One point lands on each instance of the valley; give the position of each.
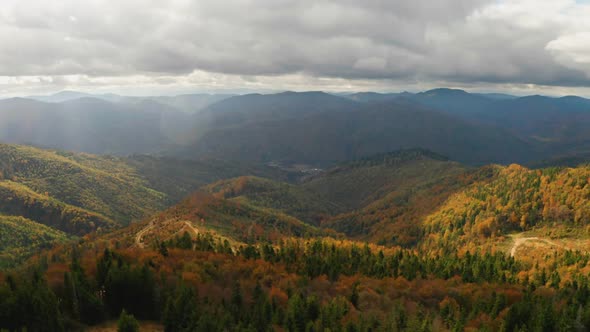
(338, 222)
(295, 166)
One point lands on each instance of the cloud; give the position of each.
(572, 51)
(457, 42)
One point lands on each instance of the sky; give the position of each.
(143, 47)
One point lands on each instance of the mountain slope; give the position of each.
(19, 200)
(382, 198)
(22, 237)
(515, 199)
(554, 125)
(79, 193)
(100, 184)
(551, 120)
(256, 108)
(387, 196)
(291, 199)
(454, 102)
(179, 178)
(330, 137)
(89, 125)
(202, 213)
(355, 184)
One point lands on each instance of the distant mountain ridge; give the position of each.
(189, 103)
(88, 125)
(354, 130)
(305, 127)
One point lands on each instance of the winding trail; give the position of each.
(195, 230)
(520, 241)
(141, 233)
(139, 236)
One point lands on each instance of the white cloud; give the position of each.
(281, 43)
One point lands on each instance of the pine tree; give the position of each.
(127, 323)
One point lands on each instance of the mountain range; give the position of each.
(313, 128)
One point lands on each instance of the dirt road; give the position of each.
(141, 233)
(521, 240)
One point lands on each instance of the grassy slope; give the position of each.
(22, 237)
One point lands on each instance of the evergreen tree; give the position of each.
(127, 323)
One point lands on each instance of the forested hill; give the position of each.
(331, 136)
(105, 187)
(241, 253)
(416, 197)
(80, 193)
(21, 237)
(514, 199)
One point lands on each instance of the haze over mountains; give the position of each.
(314, 128)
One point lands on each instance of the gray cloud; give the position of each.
(457, 41)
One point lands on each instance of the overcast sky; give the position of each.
(180, 46)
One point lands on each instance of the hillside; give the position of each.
(101, 184)
(397, 198)
(202, 213)
(238, 110)
(203, 281)
(19, 200)
(444, 207)
(329, 137)
(236, 255)
(343, 188)
(554, 126)
(295, 200)
(80, 193)
(516, 199)
(455, 102)
(381, 199)
(352, 185)
(418, 198)
(179, 178)
(22, 237)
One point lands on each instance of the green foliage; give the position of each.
(358, 183)
(243, 222)
(514, 199)
(17, 199)
(293, 200)
(179, 178)
(127, 323)
(104, 185)
(29, 305)
(22, 237)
